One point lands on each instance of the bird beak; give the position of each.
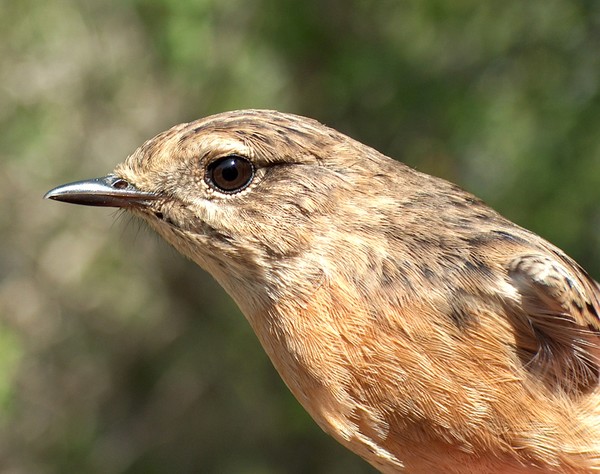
(108, 191)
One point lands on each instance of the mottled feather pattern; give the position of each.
(416, 325)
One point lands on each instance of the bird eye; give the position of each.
(230, 174)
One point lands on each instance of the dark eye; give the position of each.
(230, 174)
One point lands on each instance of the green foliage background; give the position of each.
(116, 354)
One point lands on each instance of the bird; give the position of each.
(417, 326)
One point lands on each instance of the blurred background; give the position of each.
(116, 354)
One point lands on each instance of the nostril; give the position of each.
(120, 184)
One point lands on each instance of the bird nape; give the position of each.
(417, 326)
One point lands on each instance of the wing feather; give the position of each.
(559, 334)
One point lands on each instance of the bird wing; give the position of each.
(558, 330)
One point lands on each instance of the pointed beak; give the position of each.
(108, 191)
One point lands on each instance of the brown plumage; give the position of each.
(417, 326)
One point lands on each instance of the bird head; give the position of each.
(257, 198)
